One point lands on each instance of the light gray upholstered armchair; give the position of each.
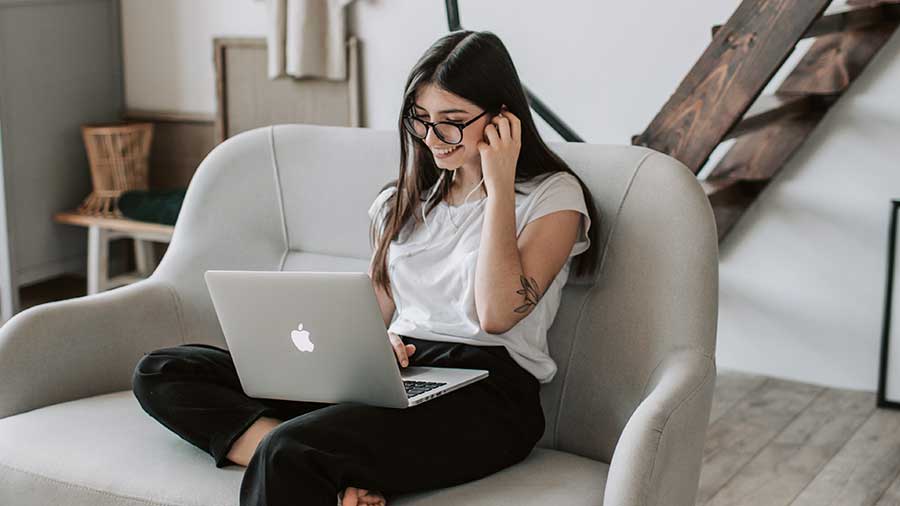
(626, 413)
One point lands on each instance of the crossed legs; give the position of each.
(316, 451)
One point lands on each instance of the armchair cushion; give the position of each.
(105, 451)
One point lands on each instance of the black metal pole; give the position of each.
(452, 15)
(537, 104)
(551, 118)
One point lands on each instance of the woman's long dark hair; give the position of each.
(477, 67)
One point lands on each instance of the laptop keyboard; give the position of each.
(414, 388)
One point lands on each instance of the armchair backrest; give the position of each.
(294, 196)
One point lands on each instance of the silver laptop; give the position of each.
(319, 336)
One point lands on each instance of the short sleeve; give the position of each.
(560, 192)
(377, 207)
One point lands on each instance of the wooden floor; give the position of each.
(775, 442)
(66, 286)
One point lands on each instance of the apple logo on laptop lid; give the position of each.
(301, 340)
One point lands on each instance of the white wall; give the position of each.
(802, 274)
(168, 49)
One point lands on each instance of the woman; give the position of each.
(477, 286)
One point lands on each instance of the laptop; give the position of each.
(319, 336)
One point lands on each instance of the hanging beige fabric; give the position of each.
(307, 38)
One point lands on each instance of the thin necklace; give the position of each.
(450, 212)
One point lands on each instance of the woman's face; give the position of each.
(435, 104)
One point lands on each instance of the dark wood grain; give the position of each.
(719, 99)
(851, 16)
(746, 169)
(825, 72)
(835, 60)
(725, 81)
(770, 108)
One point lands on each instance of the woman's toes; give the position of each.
(351, 497)
(372, 498)
(354, 496)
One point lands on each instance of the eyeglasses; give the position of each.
(447, 131)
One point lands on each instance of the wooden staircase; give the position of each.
(720, 98)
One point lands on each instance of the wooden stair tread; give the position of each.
(835, 60)
(723, 191)
(717, 186)
(854, 17)
(849, 16)
(728, 77)
(720, 97)
(770, 108)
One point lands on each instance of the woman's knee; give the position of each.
(147, 373)
(161, 365)
(152, 363)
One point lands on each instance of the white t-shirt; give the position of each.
(433, 273)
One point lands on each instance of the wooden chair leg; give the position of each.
(98, 259)
(145, 264)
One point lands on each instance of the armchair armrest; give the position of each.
(658, 456)
(75, 348)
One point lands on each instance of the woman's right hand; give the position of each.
(400, 350)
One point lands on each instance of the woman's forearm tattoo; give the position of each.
(529, 290)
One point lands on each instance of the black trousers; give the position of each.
(321, 448)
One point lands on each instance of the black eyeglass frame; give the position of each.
(428, 124)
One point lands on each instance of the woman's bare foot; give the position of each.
(361, 497)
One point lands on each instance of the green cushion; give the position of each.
(156, 206)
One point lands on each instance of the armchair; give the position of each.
(635, 345)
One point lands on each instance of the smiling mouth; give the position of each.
(443, 152)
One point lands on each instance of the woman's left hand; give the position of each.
(500, 154)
